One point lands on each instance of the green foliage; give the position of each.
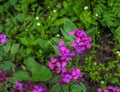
(98, 72)
(66, 88)
(78, 88)
(7, 65)
(39, 72)
(34, 28)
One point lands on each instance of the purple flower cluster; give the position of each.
(82, 41)
(28, 87)
(67, 76)
(3, 38)
(58, 64)
(109, 89)
(64, 52)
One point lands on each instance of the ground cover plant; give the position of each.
(59, 46)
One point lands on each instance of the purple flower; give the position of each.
(53, 60)
(52, 63)
(78, 33)
(76, 73)
(38, 89)
(19, 86)
(113, 89)
(23, 87)
(51, 66)
(100, 90)
(82, 41)
(109, 88)
(61, 67)
(3, 38)
(67, 78)
(65, 52)
(60, 81)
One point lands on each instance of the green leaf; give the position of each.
(78, 88)
(14, 48)
(56, 88)
(1, 28)
(39, 72)
(69, 26)
(42, 43)
(24, 41)
(7, 65)
(22, 75)
(13, 2)
(20, 17)
(7, 47)
(67, 36)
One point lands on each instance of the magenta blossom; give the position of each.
(109, 89)
(65, 52)
(52, 63)
(82, 41)
(76, 73)
(67, 78)
(19, 85)
(23, 87)
(61, 67)
(100, 90)
(78, 33)
(3, 38)
(38, 89)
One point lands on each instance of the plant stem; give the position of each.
(77, 60)
(61, 88)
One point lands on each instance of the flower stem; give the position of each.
(61, 87)
(77, 60)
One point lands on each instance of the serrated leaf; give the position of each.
(39, 72)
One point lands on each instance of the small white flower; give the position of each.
(54, 11)
(119, 55)
(96, 15)
(86, 7)
(37, 18)
(102, 82)
(58, 35)
(38, 24)
(118, 52)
